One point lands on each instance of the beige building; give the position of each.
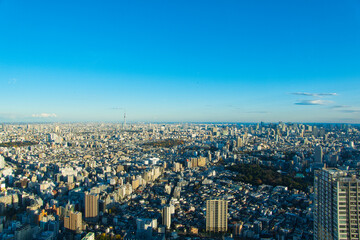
(91, 205)
(201, 161)
(135, 183)
(166, 216)
(336, 208)
(216, 215)
(197, 162)
(73, 221)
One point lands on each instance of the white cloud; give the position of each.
(313, 102)
(44, 115)
(340, 106)
(314, 94)
(345, 109)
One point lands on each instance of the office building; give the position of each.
(216, 215)
(336, 208)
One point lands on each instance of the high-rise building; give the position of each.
(73, 221)
(166, 216)
(2, 162)
(216, 215)
(336, 209)
(318, 154)
(239, 142)
(91, 206)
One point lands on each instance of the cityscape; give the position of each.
(179, 181)
(140, 120)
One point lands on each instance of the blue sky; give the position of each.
(236, 61)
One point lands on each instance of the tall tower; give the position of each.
(166, 216)
(216, 215)
(124, 120)
(91, 206)
(318, 154)
(336, 209)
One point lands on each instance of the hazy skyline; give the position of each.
(226, 61)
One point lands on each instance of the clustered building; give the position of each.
(165, 181)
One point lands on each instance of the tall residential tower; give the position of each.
(336, 209)
(166, 216)
(216, 215)
(91, 206)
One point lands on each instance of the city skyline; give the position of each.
(180, 61)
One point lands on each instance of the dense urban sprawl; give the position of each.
(153, 181)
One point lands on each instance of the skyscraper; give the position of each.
(318, 154)
(166, 216)
(91, 206)
(216, 215)
(336, 209)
